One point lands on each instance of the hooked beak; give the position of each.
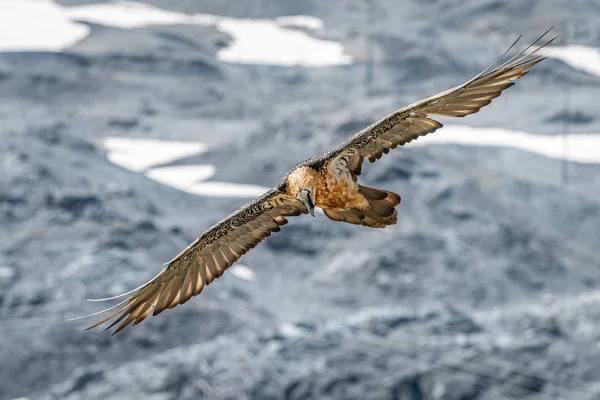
(304, 198)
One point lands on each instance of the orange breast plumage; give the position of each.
(337, 190)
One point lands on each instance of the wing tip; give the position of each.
(520, 57)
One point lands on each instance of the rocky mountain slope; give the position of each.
(486, 288)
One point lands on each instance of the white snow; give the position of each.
(7, 273)
(242, 272)
(584, 148)
(584, 58)
(226, 189)
(37, 26)
(265, 42)
(193, 179)
(182, 177)
(290, 330)
(126, 15)
(141, 154)
(42, 25)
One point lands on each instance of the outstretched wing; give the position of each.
(408, 123)
(207, 257)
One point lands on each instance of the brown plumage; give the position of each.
(328, 181)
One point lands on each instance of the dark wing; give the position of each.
(207, 258)
(408, 123)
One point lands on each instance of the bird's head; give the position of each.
(306, 196)
(301, 185)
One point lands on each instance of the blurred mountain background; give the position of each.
(487, 288)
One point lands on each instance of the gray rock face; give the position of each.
(486, 288)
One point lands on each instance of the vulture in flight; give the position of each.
(328, 181)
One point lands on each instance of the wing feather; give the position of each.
(411, 122)
(207, 258)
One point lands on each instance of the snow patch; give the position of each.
(193, 179)
(42, 25)
(37, 26)
(265, 42)
(140, 154)
(582, 148)
(584, 58)
(182, 177)
(242, 272)
(290, 330)
(226, 189)
(7, 273)
(126, 15)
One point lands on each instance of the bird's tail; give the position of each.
(383, 205)
(381, 213)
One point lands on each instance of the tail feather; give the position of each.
(381, 213)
